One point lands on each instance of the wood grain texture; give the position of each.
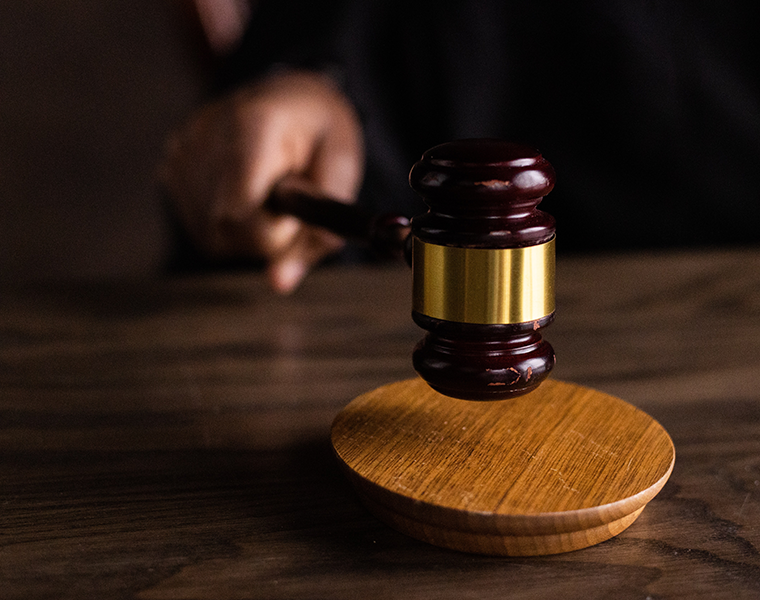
(170, 439)
(559, 469)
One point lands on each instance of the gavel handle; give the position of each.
(387, 235)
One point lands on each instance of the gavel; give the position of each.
(482, 261)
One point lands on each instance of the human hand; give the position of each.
(220, 168)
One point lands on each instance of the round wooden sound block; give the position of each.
(559, 469)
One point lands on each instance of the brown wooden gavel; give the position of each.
(482, 261)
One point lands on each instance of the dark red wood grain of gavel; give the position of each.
(386, 235)
(480, 194)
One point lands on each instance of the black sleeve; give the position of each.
(285, 32)
(650, 112)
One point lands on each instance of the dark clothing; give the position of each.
(649, 111)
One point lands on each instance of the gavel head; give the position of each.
(483, 269)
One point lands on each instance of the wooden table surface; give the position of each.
(170, 439)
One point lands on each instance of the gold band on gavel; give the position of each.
(483, 285)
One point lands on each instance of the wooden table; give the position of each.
(169, 439)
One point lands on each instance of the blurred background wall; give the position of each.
(88, 91)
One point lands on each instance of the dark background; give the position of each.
(88, 91)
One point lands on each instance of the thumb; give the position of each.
(288, 269)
